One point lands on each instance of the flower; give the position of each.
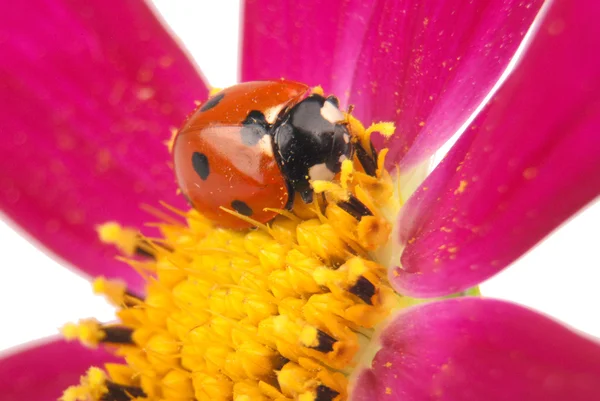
(466, 221)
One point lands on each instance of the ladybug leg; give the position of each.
(291, 196)
(368, 161)
(307, 195)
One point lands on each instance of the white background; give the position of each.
(38, 295)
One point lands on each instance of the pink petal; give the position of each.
(42, 372)
(314, 42)
(428, 64)
(474, 349)
(526, 164)
(90, 90)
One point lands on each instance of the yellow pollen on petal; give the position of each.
(281, 312)
(461, 187)
(530, 173)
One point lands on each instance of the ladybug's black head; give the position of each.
(311, 141)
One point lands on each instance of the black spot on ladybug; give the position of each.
(254, 128)
(241, 208)
(200, 163)
(212, 102)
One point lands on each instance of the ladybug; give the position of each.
(255, 145)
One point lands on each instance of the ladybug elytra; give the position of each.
(255, 145)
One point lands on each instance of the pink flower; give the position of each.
(90, 89)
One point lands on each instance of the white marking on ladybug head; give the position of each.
(265, 144)
(331, 113)
(320, 172)
(342, 158)
(346, 138)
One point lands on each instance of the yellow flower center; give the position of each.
(281, 312)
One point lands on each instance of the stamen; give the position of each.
(368, 162)
(363, 289)
(144, 249)
(91, 333)
(117, 335)
(317, 339)
(324, 393)
(384, 128)
(246, 219)
(355, 208)
(94, 386)
(116, 292)
(274, 313)
(374, 154)
(127, 240)
(119, 392)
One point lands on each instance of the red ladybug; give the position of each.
(254, 145)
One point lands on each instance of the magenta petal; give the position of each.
(43, 372)
(473, 349)
(527, 163)
(315, 42)
(427, 65)
(89, 93)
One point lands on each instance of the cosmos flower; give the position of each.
(91, 90)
